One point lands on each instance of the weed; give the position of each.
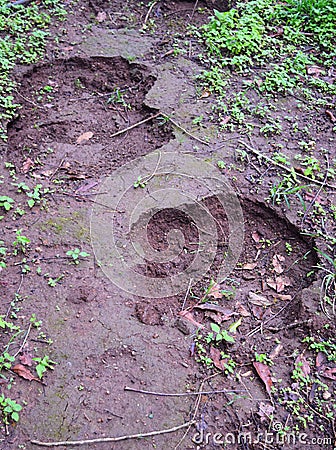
(21, 243)
(9, 409)
(43, 364)
(218, 335)
(76, 254)
(6, 202)
(52, 282)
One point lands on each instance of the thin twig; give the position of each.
(148, 13)
(112, 439)
(179, 394)
(185, 131)
(27, 100)
(196, 409)
(124, 130)
(187, 293)
(194, 9)
(287, 169)
(80, 197)
(24, 341)
(147, 179)
(260, 327)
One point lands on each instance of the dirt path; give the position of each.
(108, 329)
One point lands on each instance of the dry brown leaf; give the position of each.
(24, 372)
(242, 310)
(284, 297)
(276, 351)
(303, 364)
(227, 313)
(256, 236)
(214, 291)
(249, 266)
(215, 355)
(276, 261)
(205, 93)
(26, 359)
(101, 16)
(188, 316)
(331, 116)
(27, 165)
(265, 374)
(327, 372)
(258, 312)
(259, 300)
(314, 70)
(225, 120)
(84, 137)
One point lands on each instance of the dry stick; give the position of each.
(24, 341)
(134, 125)
(112, 439)
(148, 13)
(187, 293)
(184, 130)
(287, 169)
(259, 328)
(198, 401)
(194, 9)
(149, 177)
(179, 394)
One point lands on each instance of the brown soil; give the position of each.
(104, 338)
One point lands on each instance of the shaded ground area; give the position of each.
(102, 77)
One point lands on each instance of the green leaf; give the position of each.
(15, 416)
(215, 328)
(17, 407)
(31, 203)
(227, 337)
(233, 327)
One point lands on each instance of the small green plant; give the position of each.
(9, 410)
(117, 97)
(76, 254)
(140, 182)
(218, 335)
(6, 202)
(21, 243)
(52, 282)
(263, 358)
(289, 248)
(43, 364)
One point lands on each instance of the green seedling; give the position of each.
(218, 335)
(263, 358)
(52, 282)
(6, 202)
(44, 364)
(140, 182)
(21, 243)
(76, 254)
(9, 409)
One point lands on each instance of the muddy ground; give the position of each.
(105, 338)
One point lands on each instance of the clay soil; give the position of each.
(104, 338)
